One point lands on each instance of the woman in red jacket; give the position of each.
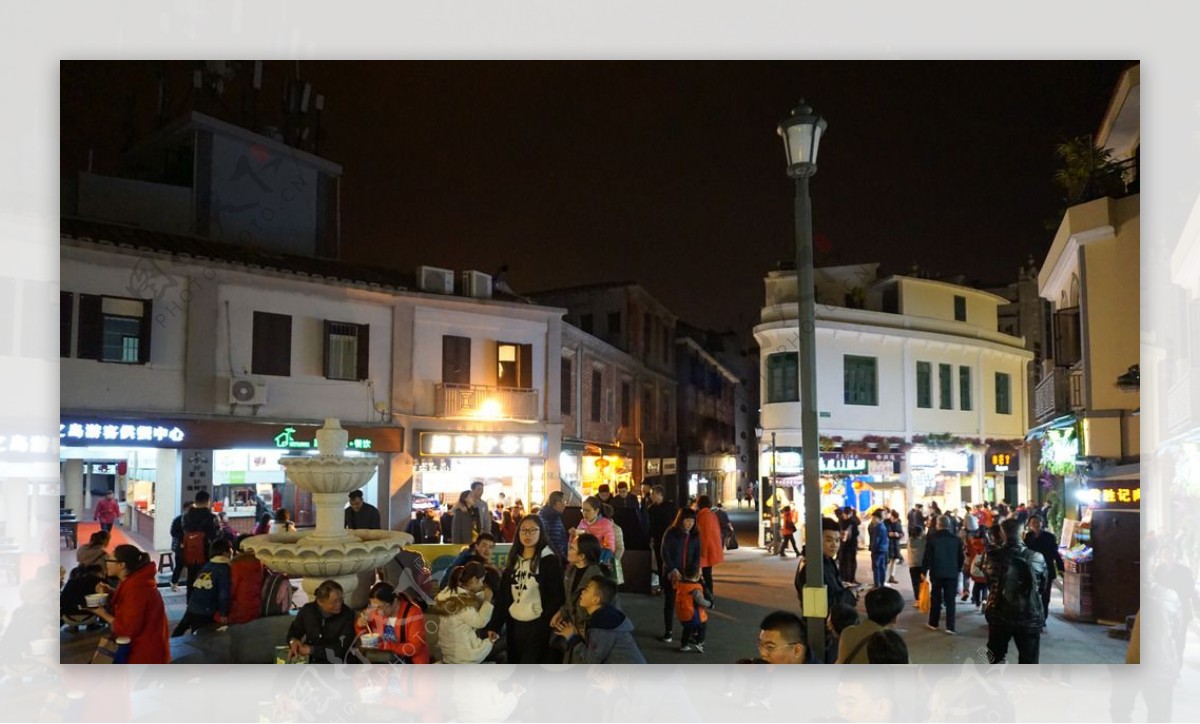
(398, 621)
(712, 551)
(137, 607)
(246, 578)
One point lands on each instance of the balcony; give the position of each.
(486, 403)
(1058, 393)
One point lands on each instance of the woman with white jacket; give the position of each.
(461, 608)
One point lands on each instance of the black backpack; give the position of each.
(1021, 597)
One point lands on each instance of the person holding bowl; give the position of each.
(136, 609)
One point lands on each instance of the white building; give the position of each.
(917, 392)
(191, 365)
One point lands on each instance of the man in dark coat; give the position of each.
(878, 534)
(361, 515)
(323, 630)
(847, 556)
(835, 591)
(1044, 542)
(1016, 576)
(200, 518)
(660, 515)
(944, 558)
(916, 520)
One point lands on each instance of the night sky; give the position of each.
(668, 174)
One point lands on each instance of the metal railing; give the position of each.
(483, 402)
(1051, 396)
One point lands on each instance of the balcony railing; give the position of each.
(1059, 392)
(486, 403)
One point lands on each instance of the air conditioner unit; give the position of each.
(247, 392)
(433, 279)
(477, 284)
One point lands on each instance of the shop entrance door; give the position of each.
(1010, 490)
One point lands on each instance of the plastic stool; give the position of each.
(166, 560)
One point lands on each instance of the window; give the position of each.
(783, 377)
(964, 388)
(1003, 398)
(112, 329)
(1068, 348)
(647, 410)
(626, 394)
(456, 360)
(66, 304)
(567, 387)
(646, 332)
(272, 349)
(597, 394)
(945, 387)
(924, 385)
(347, 351)
(585, 323)
(614, 324)
(861, 384)
(960, 308)
(514, 365)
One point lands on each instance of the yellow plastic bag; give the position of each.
(923, 600)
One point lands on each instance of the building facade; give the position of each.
(707, 423)
(917, 390)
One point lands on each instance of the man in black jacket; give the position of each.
(660, 515)
(200, 519)
(835, 591)
(944, 560)
(177, 546)
(916, 520)
(323, 629)
(1016, 576)
(847, 555)
(878, 543)
(1044, 542)
(361, 515)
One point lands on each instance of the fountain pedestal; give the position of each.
(330, 552)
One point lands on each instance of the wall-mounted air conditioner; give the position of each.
(477, 284)
(435, 280)
(247, 392)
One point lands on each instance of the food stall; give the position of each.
(1104, 549)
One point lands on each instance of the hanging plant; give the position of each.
(1057, 467)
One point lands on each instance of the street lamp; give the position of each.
(801, 132)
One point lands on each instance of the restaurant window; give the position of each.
(456, 360)
(515, 365)
(861, 385)
(597, 394)
(114, 329)
(964, 388)
(960, 308)
(567, 386)
(945, 387)
(272, 347)
(783, 377)
(347, 351)
(1003, 392)
(924, 385)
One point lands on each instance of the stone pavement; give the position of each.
(751, 584)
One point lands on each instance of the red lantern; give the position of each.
(827, 488)
(122, 467)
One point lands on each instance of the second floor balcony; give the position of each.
(486, 403)
(1059, 392)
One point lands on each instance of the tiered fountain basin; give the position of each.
(329, 551)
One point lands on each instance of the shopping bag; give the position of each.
(924, 600)
(731, 543)
(106, 651)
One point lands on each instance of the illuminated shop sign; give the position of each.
(843, 464)
(1002, 462)
(32, 444)
(471, 444)
(113, 432)
(945, 460)
(287, 439)
(1112, 497)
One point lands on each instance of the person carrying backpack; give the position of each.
(200, 530)
(1016, 576)
(177, 546)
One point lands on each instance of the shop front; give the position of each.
(585, 466)
(1001, 468)
(156, 464)
(863, 481)
(511, 466)
(1103, 556)
(946, 476)
(712, 475)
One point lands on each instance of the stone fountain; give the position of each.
(330, 551)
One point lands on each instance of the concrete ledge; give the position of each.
(253, 642)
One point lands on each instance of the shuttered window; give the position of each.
(347, 351)
(456, 360)
(272, 351)
(924, 385)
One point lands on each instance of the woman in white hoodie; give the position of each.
(531, 593)
(461, 608)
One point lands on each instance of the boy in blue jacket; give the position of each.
(609, 635)
(211, 591)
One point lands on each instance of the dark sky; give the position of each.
(666, 173)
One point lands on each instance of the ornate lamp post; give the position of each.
(801, 132)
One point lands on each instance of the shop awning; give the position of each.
(587, 447)
(1040, 430)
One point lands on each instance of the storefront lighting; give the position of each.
(491, 410)
(1088, 496)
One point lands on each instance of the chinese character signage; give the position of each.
(1115, 494)
(482, 444)
(216, 435)
(1001, 462)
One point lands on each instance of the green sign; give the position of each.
(237, 477)
(287, 439)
